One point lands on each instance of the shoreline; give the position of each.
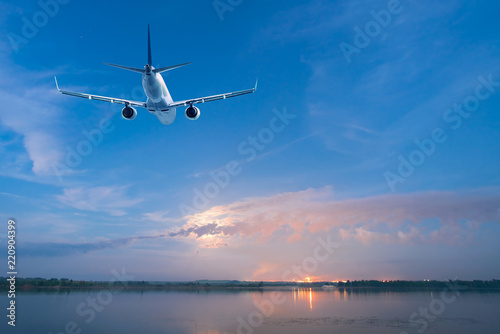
(181, 288)
(40, 284)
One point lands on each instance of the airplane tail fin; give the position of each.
(150, 62)
(134, 69)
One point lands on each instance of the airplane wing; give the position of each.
(213, 97)
(102, 98)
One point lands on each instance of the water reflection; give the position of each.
(304, 295)
(310, 299)
(314, 297)
(302, 310)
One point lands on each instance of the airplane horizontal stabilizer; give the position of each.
(133, 69)
(168, 68)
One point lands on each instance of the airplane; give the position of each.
(159, 102)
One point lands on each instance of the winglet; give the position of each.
(256, 83)
(57, 86)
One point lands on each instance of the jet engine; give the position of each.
(129, 113)
(192, 113)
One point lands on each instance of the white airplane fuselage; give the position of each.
(159, 99)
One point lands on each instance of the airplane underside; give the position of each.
(165, 114)
(166, 117)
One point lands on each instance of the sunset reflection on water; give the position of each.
(298, 310)
(304, 295)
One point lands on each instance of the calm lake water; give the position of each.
(290, 311)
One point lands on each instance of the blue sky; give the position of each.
(334, 134)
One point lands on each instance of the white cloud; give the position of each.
(31, 113)
(384, 218)
(159, 216)
(111, 199)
